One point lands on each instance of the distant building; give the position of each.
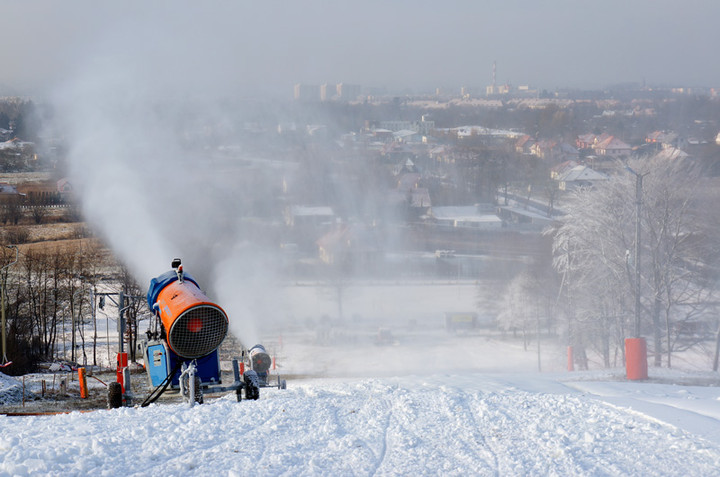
(666, 139)
(423, 126)
(562, 168)
(396, 125)
(548, 149)
(348, 92)
(456, 321)
(604, 145)
(307, 92)
(327, 92)
(353, 246)
(479, 216)
(300, 215)
(493, 90)
(671, 153)
(65, 189)
(524, 145)
(8, 193)
(42, 192)
(612, 147)
(579, 176)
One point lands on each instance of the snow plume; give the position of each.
(127, 112)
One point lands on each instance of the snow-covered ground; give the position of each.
(443, 424)
(492, 416)
(428, 402)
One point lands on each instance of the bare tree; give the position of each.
(12, 212)
(132, 314)
(38, 209)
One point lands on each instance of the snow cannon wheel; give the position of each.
(198, 391)
(197, 388)
(114, 398)
(283, 384)
(252, 385)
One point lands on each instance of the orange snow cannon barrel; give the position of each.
(194, 326)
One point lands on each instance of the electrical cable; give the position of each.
(166, 382)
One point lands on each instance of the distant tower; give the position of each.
(494, 85)
(492, 89)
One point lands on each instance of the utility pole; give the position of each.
(638, 203)
(636, 348)
(120, 303)
(638, 211)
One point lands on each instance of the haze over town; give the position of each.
(243, 49)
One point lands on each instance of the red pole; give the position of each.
(273, 363)
(122, 362)
(570, 359)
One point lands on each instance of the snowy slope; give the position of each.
(443, 424)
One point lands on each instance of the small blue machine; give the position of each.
(160, 361)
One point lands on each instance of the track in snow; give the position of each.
(474, 424)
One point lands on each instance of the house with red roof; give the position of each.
(612, 147)
(589, 141)
(524, 144)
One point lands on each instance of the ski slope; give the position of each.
(441, 424)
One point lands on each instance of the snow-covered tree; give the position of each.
(594, 251)
(529, 303)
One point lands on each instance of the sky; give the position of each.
(240, 48)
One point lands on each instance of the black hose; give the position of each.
(166, 382)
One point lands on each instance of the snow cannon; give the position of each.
(194, 326)
(260, 362)
(259, 359)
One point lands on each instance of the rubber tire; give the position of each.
(114, 398)
(252, 392)
(198, 391)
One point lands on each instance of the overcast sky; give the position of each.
(264, 47)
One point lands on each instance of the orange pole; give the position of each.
(83, 383)
(570, 359)
(636, 365)
(273, 363)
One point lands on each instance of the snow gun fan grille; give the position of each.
(198, 331)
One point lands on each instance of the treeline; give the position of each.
(48, 306)
(14, 212)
